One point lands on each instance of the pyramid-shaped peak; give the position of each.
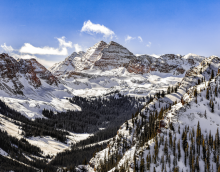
(113, 43)
(94, 51)
(100, 43)
(75, 54)
(116, 45)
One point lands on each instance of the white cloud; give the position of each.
(7, 49)
(63, 43)
(128, 38)
(44, 62)
(62, 50)
(77, 47)
(28, 48)
(149, 44)
(139, 37)
(90, 28)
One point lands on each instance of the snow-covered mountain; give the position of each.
(178, 132)
(28, 87)
(103, 56)
(168, 63)
(66, 65)
(109, 67)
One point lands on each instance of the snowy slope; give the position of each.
(28, 87)
(130, 150)
(108, 67)
(49, 145)
(66, 65)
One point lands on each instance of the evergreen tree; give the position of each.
(179, 151)
(142, 165)
(205, 114)
(168, 90)
(212, 107)
(216, 91)
(207, 93)
(212, 74)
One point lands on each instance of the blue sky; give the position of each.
(51, 30)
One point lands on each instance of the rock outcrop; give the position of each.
(68, 64)
(16, 74)
(113, 56)
(168, 63)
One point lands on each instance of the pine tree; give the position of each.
(204, 150)
(161, 113)
(172, 90)
(216, 91)
(126, 125)
(133, 119)
(197, 164)
(142, 165)
(179, 151)
(174, 146)
(166, 148)
(212, 107)
(195, 92)
(135, 164)
(212, 74)
(207, 93)
(205, 114)
(163, 93)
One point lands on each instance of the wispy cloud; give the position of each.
(63, 43)
(44, 62)
(77, 47)
(62, 50)
(149, 44)
(128, 38)
(139, 37)
(91, 28)
(7, 49)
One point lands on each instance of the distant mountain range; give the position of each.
(171, 94)
(103, 68)
(103, 56)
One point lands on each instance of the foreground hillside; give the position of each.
(178, 132)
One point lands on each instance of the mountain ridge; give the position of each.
(177, 139)
(103, 56)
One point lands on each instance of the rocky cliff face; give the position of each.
(103, 56)
(16, 74)
(69, 64)
(113, 56)
(168, 63)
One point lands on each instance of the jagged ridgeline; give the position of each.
(183, 136)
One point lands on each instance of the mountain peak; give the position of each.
(94, 51)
